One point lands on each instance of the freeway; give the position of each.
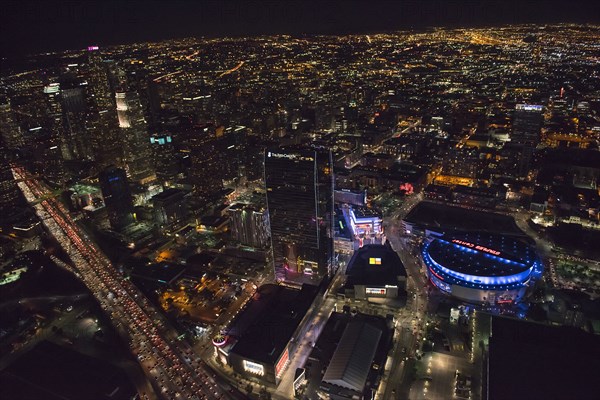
(174, 370)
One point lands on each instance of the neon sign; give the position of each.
(529, 107)
(476, 247)
(290, 156)
(282, 362)
(254, 368)
(219, 340)
(433, 272)
(376, 291)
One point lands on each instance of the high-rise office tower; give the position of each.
(165, 159)
(527, 124)
(102, 123)
(75, 112)
(249, 226)
(299, 184)
(526, 132)
(9, 192)
(207, 170)
(117, 196)
(170, 209)
(54, 112)
(10, 133)
(136, 140)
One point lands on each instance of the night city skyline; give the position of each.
(39, 26)
(294, 200)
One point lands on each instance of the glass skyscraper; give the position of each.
(117, 196)
(299, 184)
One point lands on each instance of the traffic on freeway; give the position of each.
(174, 370)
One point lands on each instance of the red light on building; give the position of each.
(476, 247)
(439, 276)
(282, 362)
(219, 340)
(407, 188)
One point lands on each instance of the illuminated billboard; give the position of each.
(529, 107)
(285, 358)
(376, 291)
(254, 368)
(476, 247)
(375, 260)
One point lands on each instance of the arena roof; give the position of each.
(482, 254)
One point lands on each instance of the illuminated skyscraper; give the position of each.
(117, 196)
(102, 122)
(526, 132)
(9, 192)
(54, 112)
(135, 137)
(207, 170)
(299, 185)
(75, 116)
(10, 133)
(165, 159)
(527, 124)
(249, 226)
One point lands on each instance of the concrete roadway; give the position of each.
(394, 385)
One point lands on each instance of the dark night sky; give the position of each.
(35, 26)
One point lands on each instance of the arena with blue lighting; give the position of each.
(481, 267)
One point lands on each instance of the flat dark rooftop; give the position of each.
(364, 269)
(268, 322)
(572, 156)
(534, 361)
(51, 372)
(162, 272)
(445, 217)
(474, 191)
(167, 194)
(432, 188)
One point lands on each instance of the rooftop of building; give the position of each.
(574, 157)
(81, 189)
(364, 212)
(245, 206)
(438, 189)
(549, 362)
(482, 254)
(334, 351)
(163, 272)
(266, 325)
(168, 193)
(407, 172)
(446, 217)
(351, 362)
(213, 220)
(476, 191)
(374, 265)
